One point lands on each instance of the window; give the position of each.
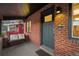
(4, 29)
(75, 20)
(48, 18)
(28, 26)
(75, 28)
(13, 28)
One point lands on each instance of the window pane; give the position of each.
(75, 20)
(48, 18)
(29, 26)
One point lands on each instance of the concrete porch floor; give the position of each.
(25, 49)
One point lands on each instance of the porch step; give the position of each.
(41, 52)
(48, 50)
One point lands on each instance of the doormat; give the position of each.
(41, 52)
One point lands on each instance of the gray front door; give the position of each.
(48, 34)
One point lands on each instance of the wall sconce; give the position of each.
(58, 10)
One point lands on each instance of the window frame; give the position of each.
(28, 27)
(70, 23)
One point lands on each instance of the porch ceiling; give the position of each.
(19, 9)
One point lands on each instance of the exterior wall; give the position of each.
(0, 45)
(63, 45)
(35, 34)
(1, 17)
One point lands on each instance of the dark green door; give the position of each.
(48, 34)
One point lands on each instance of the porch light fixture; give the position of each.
(58, 12)
(58, 9)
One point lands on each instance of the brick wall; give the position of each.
(63, 45)
(36, 26)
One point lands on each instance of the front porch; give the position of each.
(24, 49)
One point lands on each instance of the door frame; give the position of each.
(43, 13)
